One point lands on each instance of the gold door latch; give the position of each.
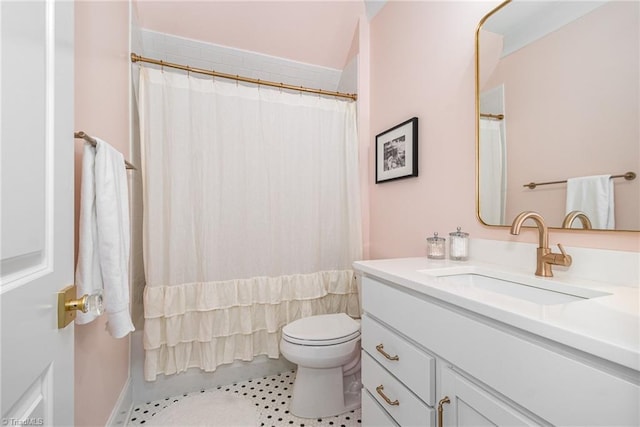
(68, 305)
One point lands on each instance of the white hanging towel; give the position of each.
(592, 195)
(103, 251)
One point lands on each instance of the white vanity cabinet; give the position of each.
(418, 349)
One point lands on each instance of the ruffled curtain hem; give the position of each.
(209, 324)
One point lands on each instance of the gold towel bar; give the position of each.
(92, 141)
(492, 116)
(629, 176)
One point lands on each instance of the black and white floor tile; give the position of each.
(271, 395)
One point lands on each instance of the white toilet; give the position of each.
(326, 349)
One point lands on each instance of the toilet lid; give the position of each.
(324, 329)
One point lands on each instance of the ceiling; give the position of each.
(314, 32)
(522, 22)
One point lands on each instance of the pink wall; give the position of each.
(101, 109)
(422, 64)
(574, 115)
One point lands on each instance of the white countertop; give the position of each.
(605, 326)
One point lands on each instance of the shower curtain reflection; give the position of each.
(493, 187)
(251, 216)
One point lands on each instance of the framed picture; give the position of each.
(397, 152)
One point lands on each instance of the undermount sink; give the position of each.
(537, 290)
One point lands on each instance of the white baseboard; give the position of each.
(124, 405)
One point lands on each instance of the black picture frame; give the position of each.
(397, 152)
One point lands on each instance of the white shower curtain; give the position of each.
(493, 187)
(252, 216)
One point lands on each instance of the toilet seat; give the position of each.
(322, 330)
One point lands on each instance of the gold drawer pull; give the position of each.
(380, 348)
(386, 399)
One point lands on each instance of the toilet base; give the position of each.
(352, 391)
(314, 393)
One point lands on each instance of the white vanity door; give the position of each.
(36, 205)
(472, 406)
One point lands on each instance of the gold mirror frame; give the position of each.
(477, 129)
(477, 147)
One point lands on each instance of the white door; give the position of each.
(36, 197)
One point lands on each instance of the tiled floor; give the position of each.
(271, 395)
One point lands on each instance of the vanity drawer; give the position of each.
(372, 413)
(410, 410)
(413, 367)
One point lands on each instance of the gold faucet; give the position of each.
(571, 216)
(545, 258)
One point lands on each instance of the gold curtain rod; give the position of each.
(92, 141)
(492, 116)
(629, 176)
(138, 58)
